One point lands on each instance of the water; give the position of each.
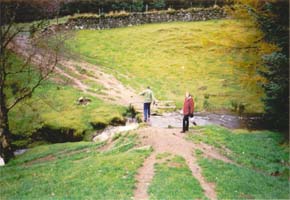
(19, 152)
(174, 119)
(110, 131)
(201, 119)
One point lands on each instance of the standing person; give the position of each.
(188, 109)
(148, 99)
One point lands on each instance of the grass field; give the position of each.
(54, 107)
(72, 171)
(217, 61)
(81, 170)
(173, 180)
(262, 163)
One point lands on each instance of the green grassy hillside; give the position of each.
(217, 61)
(52, 113)
(72, 171)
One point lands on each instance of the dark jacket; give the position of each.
(188, 106)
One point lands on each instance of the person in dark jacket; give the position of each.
(188, 109)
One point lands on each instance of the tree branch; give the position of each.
(24, 65)
(40, 80)
(10, 38)
(5, 32)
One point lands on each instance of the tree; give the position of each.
(137, 5)
(158, 4)
(13, 91)
(273, 19)
(275, 25)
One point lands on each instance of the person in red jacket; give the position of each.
(188, 109)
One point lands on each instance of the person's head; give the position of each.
(187, 94)
(148, 87)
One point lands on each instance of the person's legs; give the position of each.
(185, 123)
(145, 112)
(149, 106)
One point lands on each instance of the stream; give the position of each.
(174, 120)
(201, 119)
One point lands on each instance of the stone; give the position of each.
(110, 132)
(107, 22)
(2, 162)
(202, 88)
(143, 148)
(84, 101)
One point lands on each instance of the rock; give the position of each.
(2, 162)
(216, 6)
(107, 22)
(111, 131)
(19, 152)
(144, 148)
(203, 88)
(84, 101)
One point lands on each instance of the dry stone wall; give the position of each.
(133, 19)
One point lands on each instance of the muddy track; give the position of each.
(144, 177)
(82, 75)
(171, 141)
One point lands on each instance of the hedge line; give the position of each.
(30, 10)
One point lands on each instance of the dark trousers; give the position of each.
(146, 111)
(185, 123)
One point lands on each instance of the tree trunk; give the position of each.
(6, 151)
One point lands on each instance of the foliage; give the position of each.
(158, 4)
(71, 170)
(137, 6)
(121, 6)
(20, 82)
(274, 21)
(277, 90)
(30, 10)
(173, 180)
(272, 17)
(216, 59)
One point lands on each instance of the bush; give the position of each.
(159, 4)
(276, 89)
(274, 22)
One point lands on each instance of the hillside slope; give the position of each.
(216, 60)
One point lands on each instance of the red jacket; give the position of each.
(188, 106)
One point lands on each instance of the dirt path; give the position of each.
(171, 141)
(83, 76)
(113, 90)
(144, 177)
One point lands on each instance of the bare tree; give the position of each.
(39, 61)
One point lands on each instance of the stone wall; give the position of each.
(132, 19)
